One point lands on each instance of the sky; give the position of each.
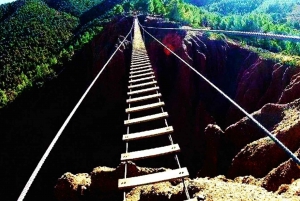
(6, 1)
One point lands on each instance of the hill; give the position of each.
(38, 36)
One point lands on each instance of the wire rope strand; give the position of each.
(240, 33)
(46, 154)
(279, 143)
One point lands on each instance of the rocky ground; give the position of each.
(259, 170)
(101, 184)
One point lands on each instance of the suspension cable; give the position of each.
(238, 33)
(268, 133)
(46, 154)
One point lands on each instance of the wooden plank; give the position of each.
(142, 51)
(142, 85)
(136, 58)
(148, 134)
(142, 63)
(143, 91)
(139, 68)
(150, 153)
(139, 56)
(139, 53)
(136, 63)
(133, 100)
(146, 118)
(144, 107)
(133, 67)
(140, 71)
(140, 75)
(142, 79)
(152, 178)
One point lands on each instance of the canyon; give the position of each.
(215, 138)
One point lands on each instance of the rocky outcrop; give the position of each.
(290, 190)
(243, 132)
(291, 92)
(100, 184)
(285, 173)
(103, 186)
(212, 141)
(259, 157)
(72, 187)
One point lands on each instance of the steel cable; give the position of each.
(46, 154)
(238, 33)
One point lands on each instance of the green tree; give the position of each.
(118, 9)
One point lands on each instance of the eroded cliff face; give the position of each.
(244, 76)
(214, 137)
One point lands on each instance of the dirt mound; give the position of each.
(259, 157)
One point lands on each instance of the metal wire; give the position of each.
(238, 33)
(279, 143)
(127, 148)
(46, 154)
(128, 117)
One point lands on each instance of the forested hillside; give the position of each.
(38, 36)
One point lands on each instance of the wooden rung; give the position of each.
(143, 67)
(144, 107)
(148, 134)
(136, 64)
(139, 50)
(139, 60)
(140, 75)
(140, 71)
(153, 178)
(145, 56)
(133, 100)
(143, 91)
(150, 153)
(142, 79)
(146, 118)
(142, 85)
(140, 54)
(140, 57)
